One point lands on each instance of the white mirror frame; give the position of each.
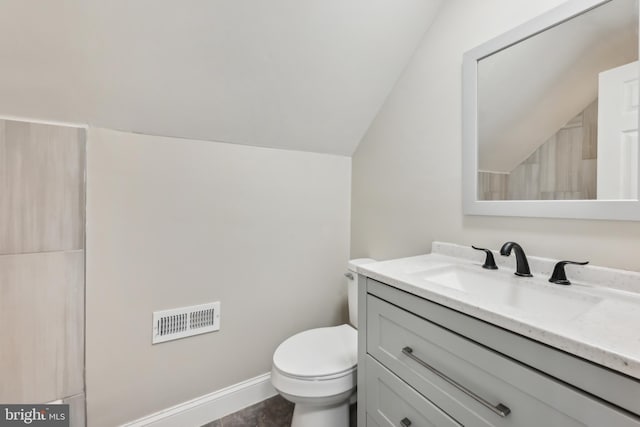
(628, 210)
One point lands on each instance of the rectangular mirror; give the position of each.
(550, 116)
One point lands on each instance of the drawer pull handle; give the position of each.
(406, 422)
(499, 409)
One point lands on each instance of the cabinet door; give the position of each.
(441, 364)
(392, 403)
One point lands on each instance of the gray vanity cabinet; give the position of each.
(391, 401)
(420, 366)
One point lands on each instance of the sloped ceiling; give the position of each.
(303, 75)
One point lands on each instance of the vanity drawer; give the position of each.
(390, 401)
(533, 398)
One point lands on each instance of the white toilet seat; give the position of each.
(307, 387)
(319, 362)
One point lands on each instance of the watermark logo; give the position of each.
(34, 415)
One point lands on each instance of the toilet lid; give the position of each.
(318, 352)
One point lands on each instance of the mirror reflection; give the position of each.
(558, 111)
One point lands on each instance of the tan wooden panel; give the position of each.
(41, 187)
(42, 334)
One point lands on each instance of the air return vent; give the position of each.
(185, 321)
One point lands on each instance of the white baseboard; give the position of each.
(210, 407)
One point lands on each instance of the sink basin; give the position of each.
(508, 290)
(419, 266)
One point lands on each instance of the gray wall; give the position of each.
(177, 222)
(407, 170)
(42, 264)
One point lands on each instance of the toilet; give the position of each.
(316, 369)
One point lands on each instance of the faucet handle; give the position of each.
(489, 262)
(559, 277)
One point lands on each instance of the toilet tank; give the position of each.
(352, 288)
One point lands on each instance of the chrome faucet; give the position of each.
(522, 266)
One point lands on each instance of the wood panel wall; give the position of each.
(42, 227)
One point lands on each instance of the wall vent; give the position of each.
(185, 321)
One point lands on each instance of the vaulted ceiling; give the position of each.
(296, 74)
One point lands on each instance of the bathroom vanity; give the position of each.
(443, 342)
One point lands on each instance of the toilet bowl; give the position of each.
(317, 369)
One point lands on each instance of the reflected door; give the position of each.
(618, 133)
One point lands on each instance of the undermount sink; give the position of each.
(511, 291)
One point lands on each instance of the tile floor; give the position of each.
(273, 412)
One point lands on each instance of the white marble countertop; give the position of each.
(596, 318)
